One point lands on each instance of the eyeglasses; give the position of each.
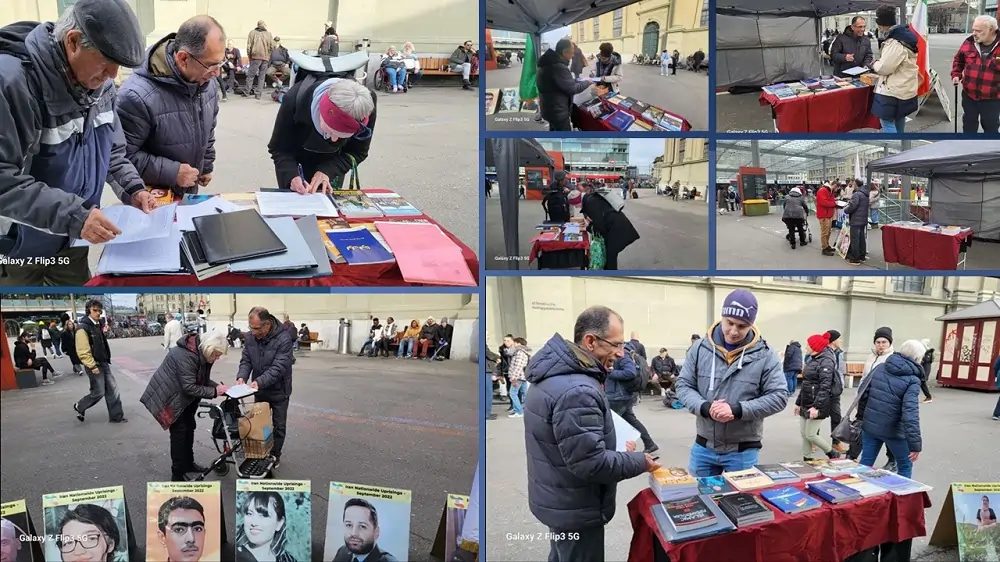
(68, 544)
(209, 67)
(620, 345)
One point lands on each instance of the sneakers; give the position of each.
(47, 382)
(79, 414)
(123, 420)
(515, 415)
(277, 461)
(891, 467)
(996, 418)
(926, 400)
(829, 251)
(854, 262)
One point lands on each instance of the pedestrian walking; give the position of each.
(792, 365)
(881, 350)
(816, 398)
(623, 386)
(925, 363)
(95, 354)
(68, 339)
(520, 354)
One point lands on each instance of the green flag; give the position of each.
(528, 90)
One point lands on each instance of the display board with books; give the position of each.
(970, 520)
(618, 112)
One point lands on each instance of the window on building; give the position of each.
(580, 31)
(616, 22)
(809, 280)
(706, 149)
(597, 29)
(681, 149)
(704, 14)
(910, 285)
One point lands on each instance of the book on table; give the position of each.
(393, 205)
(715, 486)
(672, 483)
(358, 246)
(355, 204)
(899, 485)
(779, 474)
(193, 258)
(686, 514)
(749, 479)
(426, 255)
(790, 500)
(866, 489)
(833, 492)
(620, 120)
(745, 509)
(803, 469)
(719, 525)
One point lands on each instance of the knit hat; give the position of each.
(833, 335)
(795, 190)
(114, 30)
(884, 332)
(818, 342)
(885, 18)
(740, 305)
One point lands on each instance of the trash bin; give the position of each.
(344, 337)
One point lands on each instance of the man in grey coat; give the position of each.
(62, 141)
(169, 107)
(731, 381)
(569, 434)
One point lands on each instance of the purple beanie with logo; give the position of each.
(740, 305)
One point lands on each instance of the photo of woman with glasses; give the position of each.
(262, 530)
(85, 533)
(323, 130)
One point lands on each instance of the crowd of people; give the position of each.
(430, 340)
(731, 380)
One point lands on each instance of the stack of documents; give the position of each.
(291, 204)
(136, 225)
(217, 205)
(154, 256)
(309, 227)
(297, 257)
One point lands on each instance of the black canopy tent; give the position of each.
(762, 42)
(508, 156)
(963, 179)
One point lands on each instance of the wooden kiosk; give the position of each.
(971, 345)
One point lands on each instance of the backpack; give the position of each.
(639, 383)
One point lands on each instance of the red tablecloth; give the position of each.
(839, 111)
(831, 533)
(587, 122)
(542, 246)
(344, 275)
(938, 251)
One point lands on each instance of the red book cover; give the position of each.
(425, 254)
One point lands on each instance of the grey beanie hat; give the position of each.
(113, 28)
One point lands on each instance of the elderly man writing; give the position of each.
(977, 68)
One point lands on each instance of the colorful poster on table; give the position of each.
(367, 522)
(273, 520)
(18, 540)
(456, 508)
(87, 525)
(184, 521)
(977, 518)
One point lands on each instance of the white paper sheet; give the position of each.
(239, 391)
(156, 255)
(856, 71)
(290, 204)
(624, 432)
(137, 225)
(186, 213)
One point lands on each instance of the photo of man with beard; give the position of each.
(361, 533)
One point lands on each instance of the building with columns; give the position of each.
(647, 27)
(686, 161)
(167, 304)
(433, 26)
(666, 311)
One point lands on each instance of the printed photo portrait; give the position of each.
(457, 507)
(273, 526)
(363, 527)
(977, 516)
(87, 532)
(12, 528)
(183, 527)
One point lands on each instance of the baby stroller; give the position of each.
(250, 456)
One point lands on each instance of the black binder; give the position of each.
(237, 236)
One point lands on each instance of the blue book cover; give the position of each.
(358, 246)
(884, 479)
(620, 120)
(790, 500)
(833, 491)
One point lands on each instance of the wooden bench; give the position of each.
(313, 338)
(439, 66)
(394, 344)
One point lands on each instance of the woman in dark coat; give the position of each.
(815, 400)
(25, 358)
(445, 331)
(181, 382)
(323, 131)
(610, 224)
(67, 338)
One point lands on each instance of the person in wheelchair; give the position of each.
(180, 383)
(395, 68)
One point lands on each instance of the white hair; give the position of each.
(69, 22)
(212, 342)
(355, 99)
(913, 350)
(990, 21)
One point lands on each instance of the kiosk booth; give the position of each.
(971, 344)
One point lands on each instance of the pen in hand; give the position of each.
(305, 182)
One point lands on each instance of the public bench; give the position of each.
(313, 339)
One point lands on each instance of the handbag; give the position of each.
(848, 430)
(598, 258)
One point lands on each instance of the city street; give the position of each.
(685, 94)
(673, 234)
(736, 233)
(430, 175)
(743, 112)
(945, 460)
(386, 422)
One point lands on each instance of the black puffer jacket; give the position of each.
(68, 340)
(556, 87)
(22, 353)
(817, 384)
(185, 376)
(269, 361)
(429, 332)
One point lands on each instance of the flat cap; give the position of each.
(114, 30)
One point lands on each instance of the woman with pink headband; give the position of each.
(323, 129)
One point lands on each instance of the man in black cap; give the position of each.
(838, 386)
(556, 199)
(62, 140)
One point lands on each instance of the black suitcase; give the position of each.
(635, 195)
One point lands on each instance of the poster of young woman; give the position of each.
(977, 518)
(367, 522)
(86, 525)
(184, 521)
(18, 540)
(457, 506)
(273, 520)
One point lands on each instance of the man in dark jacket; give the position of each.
(444, 335)
(427, 340)
(95, 354)
(266, 365)
(180, 383)
(637, 345)
(852, 48)
(177, 80)
(622, 391)
(556, 86)
(858, 211)
(506, 350)
(556, 199)
(492, 360)
(51, 195)
(278, 64)
(569, 433)
(25, 358)
(68, 339)
(926, 363)
(260, 42)
(815, 399)
(460, 61)
(665, 369)
(792, 365)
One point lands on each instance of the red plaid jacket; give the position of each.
(980, 76)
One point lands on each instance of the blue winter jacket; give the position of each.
(893, 406)
(620, 376)
(793, 358)
(569, 436)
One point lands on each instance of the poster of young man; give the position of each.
(367, 522)
(977, 517)
(273, 520)
(18, 540)
(457, 507)
(86, 525)
(184, 521)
